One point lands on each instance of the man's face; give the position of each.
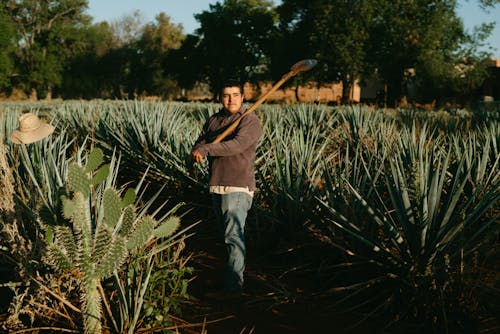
(232, 99)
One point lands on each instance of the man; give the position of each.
(232, 179)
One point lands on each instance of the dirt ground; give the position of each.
(270, 302)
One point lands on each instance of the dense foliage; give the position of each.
(392, 214)
(51, 48)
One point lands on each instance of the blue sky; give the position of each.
(182, 11)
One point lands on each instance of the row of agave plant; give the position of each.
(404, 203)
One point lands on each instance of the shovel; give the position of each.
(301, 66)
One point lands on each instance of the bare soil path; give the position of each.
(270, 303)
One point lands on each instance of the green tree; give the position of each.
(292, 40)
(7, 47)
(184, 64)
(44, 42)
(408, 37)
(488, 3)
(234, 40)
(103, 63)
(421, 44)
(119, 65)
(162, 35)
(340, 33)
(295, 27)
(471, 70)
(128, 29)
(333, 32)
(157, 40)
(87, 74)
(424, 44)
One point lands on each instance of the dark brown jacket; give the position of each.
(232, 160)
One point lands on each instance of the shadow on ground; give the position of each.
(270, 303)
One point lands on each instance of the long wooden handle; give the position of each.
(233, 125)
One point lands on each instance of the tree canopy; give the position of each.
(233, 41)
(51, 47)
(46, 37)
(7, 47)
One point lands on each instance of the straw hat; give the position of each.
(31, 129)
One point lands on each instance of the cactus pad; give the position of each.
(94, 160)
(78, 180)
(141, 234)
(127, 221)
(129, 197)
(112, 207)
(167, 228)
(102, 240)
(112, 259)
(101, 175)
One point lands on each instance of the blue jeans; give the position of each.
(231, 211)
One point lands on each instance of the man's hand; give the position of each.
(196, 156)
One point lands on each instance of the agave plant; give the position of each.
(481, 154)
(414, 205)
(158, 136)
(291, 162)
(416, 225)
(103, 232)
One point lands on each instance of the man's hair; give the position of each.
(231, 83)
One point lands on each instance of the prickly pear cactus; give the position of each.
(98, 244)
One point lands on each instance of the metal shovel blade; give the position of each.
(304, 65)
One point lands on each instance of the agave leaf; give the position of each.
(455, 193)
(393, 232)
(401, 210)
(433, 196)
(351, 229)
(479, 210)
(481, 230)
